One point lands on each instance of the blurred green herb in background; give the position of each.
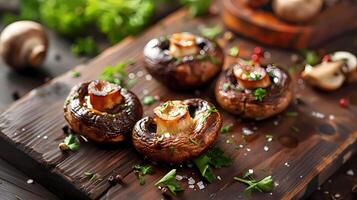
(78, 19)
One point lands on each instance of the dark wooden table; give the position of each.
(16, 185)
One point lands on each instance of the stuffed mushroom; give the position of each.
(254, 91)
(183, 60)
(180, 130)
(101, 111)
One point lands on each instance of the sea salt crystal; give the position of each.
(317, 115)
(287, 164)
(219, 178)
(270, 139)
(247, 131)
(191, 181)
(271, 193)
(38, 136)
(29, 181)
(337, 195)
(200, 185)
(301, 176)
(248, 149)
(45, 137)
(191, 186)
(140, 73)
(23, 129)
(145, 91)
(250, 171)
(350, 172)
(148, 77)
(331, 117)
(276, 184)
(241, 146)
(266, 148)
(131, 75)
(179, 178)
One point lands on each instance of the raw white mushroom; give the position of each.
(326, 76)
(297, 10)
(351, 63)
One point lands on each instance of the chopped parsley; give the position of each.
(264, 185)
(234, 51)
(76, 74)
(211, 32)
(141, 171)
(69, 143)
(311, 57)
(115, 74)
(226, 128)
(169, 181)
(226, 86)
(149, 100)
(90, 175)
(259, 94)
(212, 158)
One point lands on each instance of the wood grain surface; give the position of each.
(264, 26)
(31, 131)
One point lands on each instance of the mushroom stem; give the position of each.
(251, 77)
(103, 95)
(172, 117)
(183, 44)
(327, 75)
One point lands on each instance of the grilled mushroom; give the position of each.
(180, 130)
(254, 91)
(102, 111)
(183, 60)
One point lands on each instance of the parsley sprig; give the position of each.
(259, 94)
(211, 32)
(116, 74)
(169, 181)
(212, 158)
(264, 185)
(226, 128)
(90, 175)
(141, 171)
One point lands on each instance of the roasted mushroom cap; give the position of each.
(101, 111)
(180, 131)
(183, 60)
(246, 101)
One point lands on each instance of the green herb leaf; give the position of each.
(214, 157)
(226, 86)
(84, 46)
(264, 185)
(92, 176)
(197, 7)
(291, 114)
(226, 128)
(70, 143)
(211, 32)
(234, 51)
(169, 180)
(311, 57)
(259, 94)
(76, 74)
(142, 170)
(115, 74)
(149, 100)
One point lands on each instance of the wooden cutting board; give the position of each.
(264, 26)
(304, 152)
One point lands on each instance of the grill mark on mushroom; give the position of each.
(178, 148)
(101, 126)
